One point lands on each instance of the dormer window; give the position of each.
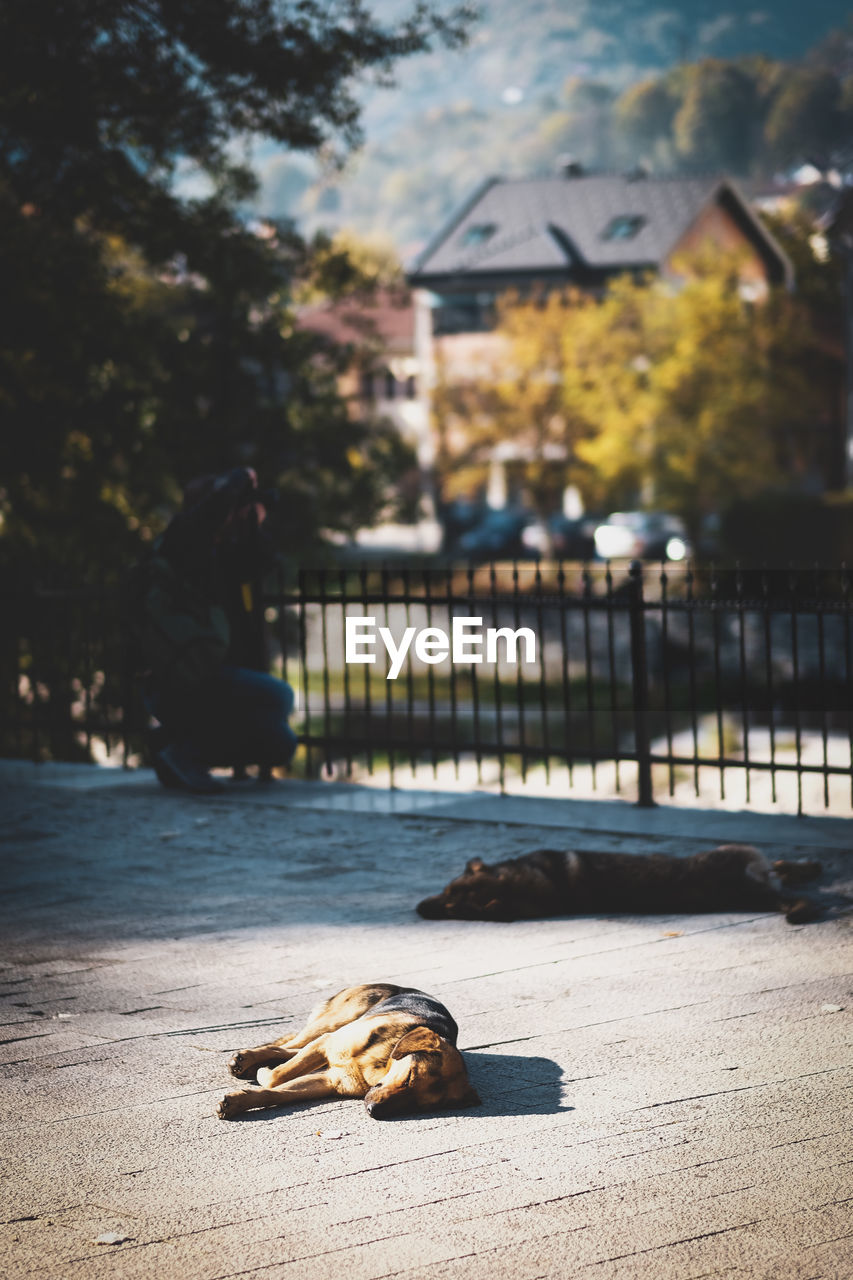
(478, 233)
(623, 227)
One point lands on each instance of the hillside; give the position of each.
(536, 80)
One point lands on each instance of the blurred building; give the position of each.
(581, 230)
(384, 377)
(572, 230)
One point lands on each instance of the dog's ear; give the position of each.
(418, 1040)
(475, 864)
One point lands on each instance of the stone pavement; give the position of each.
(662, 1097)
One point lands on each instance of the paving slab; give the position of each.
(664, 1096)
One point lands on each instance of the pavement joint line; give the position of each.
(743, 1088)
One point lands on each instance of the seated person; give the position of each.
(211, 709)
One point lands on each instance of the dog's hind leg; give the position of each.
(340, 1009)
(324, 1084)
(336, 1012)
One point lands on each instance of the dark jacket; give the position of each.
(182, 631)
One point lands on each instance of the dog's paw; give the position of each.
(264, 1077)
(230, 1106)
(240, 1065)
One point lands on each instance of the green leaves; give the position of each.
(146, 337)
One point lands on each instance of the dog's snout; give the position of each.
(380, 1108)
(376, 1109)
(431, 908)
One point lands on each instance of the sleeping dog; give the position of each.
(393, 1046)
(732, 877)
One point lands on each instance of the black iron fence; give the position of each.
(656, 673)
(640, 680)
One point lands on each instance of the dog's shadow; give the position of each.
(515, 1084)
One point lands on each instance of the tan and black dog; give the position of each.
(393, 1046)
(732, 877)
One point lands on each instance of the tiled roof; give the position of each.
(387, 317)
(547, 223)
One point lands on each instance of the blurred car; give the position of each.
(573, 539)
(560, 537)
(642, 535)
(498, 536)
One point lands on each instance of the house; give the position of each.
(581, 230)
(384, 376)
(578, 230)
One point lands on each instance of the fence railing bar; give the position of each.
(410, 688)
(363, 594)
(768, 668)
(389, 684)
(324, 640)
(795, 658)
(691, 669)
(475, 688)
(543, 676)
(498, 695)
(821, 651)
(588, 668)
(303, 658)
(345, 602)
(640, 686)
(613, 682)
(667, 689)
(848, 671)
(430, 673)
(744, 700)
(519, 675)
(454, 723)
(718, 691)
(565, 671)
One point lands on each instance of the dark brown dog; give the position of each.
(393, 1046)
(733, 877)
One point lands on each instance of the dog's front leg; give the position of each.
(245, 1062)
(324, 1084)
(306, 1062)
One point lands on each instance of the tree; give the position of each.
(644, 114)
(713, 128)
(683, 398)
(806, 118)
(146, 334)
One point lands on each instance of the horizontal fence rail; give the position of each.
(643, 679)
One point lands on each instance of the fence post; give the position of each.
(640, 686)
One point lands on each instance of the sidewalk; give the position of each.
(662, 1097)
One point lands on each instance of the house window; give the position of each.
(624, 226)
(390, 385)
(478, 233)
